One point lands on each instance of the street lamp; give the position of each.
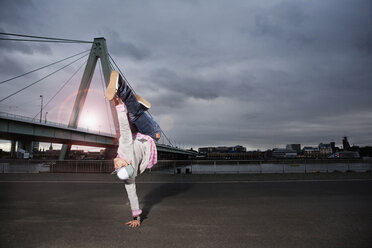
(46, 114)
(41, 107)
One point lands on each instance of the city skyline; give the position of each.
(5, 146)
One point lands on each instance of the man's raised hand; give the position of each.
(119, 162)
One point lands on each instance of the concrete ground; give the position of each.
(284, 210)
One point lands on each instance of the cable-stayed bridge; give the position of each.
(28, 129)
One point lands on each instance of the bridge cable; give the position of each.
(42, 78)
(122, 74)
(104, 88)
(24, 74)
(51, 41)
(45, 38)
(61, 88)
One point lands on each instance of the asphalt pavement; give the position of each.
(89, 210)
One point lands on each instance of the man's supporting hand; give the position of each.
(133, 223)
(119, 162)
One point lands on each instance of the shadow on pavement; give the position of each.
(156, 195)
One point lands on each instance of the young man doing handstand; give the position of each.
(137, 149)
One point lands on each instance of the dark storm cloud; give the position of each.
(283, 21)
(16, 15)
(166, 102)
(304, 73)
(25, 48)
(201, 87)
(15, 12)
(256, 73)
(187, 85)
(125, 48)
(325, 26)
(9, 67)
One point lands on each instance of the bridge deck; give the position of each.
(14, 127)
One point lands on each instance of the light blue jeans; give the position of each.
(141, 120)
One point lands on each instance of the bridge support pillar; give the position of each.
(13, 149)
(64, 151)
(98, 51)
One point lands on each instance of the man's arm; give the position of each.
(130, 186)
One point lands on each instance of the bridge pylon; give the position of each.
(98, 51)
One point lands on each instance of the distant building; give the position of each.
(251, 155)
(238, 149)
(204, 150)
(345, 144)
(283, 153)
(366, 151)
(310, 152)
(222, 149)
(296, 147)
(333, 146)
(325, 150)
(224, 152)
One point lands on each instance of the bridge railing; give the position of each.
(255, 166)
(82, 166)
(65, 166)
(189, 166)
(23, 166)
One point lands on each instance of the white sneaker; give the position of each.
(144, 103)
(113, 86)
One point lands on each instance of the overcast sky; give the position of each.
(261, 74)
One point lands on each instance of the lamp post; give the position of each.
(41, 107)
(46, 114)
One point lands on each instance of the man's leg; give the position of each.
(146, 125)
(143, 122)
